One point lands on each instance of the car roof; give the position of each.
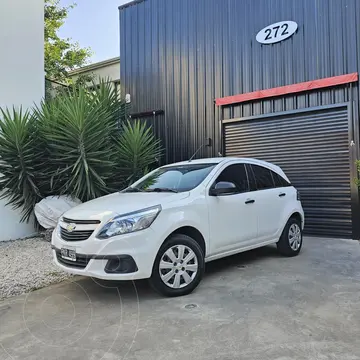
(220, 160)
(216, 160)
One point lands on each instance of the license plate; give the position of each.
(68, 254)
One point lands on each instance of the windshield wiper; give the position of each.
(132, 189)
(162, 190)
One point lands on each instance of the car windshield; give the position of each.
(174, 178)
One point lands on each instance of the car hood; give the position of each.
(106, 207)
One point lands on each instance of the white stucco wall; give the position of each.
(108, 69)
(21, 77)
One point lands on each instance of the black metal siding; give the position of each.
(179, 55)
(313, 150)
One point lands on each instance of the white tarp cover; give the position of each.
(49, 210)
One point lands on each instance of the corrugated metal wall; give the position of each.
(180, 55)
(312, 148)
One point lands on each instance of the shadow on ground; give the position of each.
(141, 288)
(255, 305)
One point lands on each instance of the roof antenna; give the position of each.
(207, 142)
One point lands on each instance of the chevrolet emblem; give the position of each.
(70, 227)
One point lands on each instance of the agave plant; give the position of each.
(138, 151)
(78, 130)
(21, 161)
(107, 96)
(72, 145)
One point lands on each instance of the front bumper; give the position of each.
(94, 256)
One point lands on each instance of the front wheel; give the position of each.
(291, 239)
(178, 267)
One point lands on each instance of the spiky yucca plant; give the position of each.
(21, 162)
(77, 144)
(137, 150)
(78, 131)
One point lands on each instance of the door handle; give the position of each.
(249, 201)
(282, 194)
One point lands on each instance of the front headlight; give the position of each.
(129, 223)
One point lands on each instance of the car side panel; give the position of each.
(291, 206)
(193, 212)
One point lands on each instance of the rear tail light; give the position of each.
(298, 196)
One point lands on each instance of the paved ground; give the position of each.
(252, 306)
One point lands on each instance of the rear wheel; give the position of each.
(178, 267)
(291, 240)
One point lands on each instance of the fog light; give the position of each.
(123, 264)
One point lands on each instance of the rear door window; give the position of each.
(262, 178)
(279, 180)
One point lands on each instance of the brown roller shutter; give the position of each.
(313, 150)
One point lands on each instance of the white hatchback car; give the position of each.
(169, 223)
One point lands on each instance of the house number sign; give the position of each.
(277, 32)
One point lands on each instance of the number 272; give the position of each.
(276, 29)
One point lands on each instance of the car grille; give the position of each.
(79, 235)
(83, 222)
(80, 263)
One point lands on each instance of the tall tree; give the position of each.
(61, 55)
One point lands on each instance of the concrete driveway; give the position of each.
(255, 305)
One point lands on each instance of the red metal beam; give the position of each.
(289, 89)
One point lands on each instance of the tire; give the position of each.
(291, 239)
(171, 279)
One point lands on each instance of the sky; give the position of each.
(94, 24)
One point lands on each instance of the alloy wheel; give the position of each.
(295, 237)
(178, 266)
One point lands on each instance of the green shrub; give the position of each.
(78, 144)
(21, 167)
(78, 132)
(137, 151)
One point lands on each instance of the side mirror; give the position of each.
(223, 188)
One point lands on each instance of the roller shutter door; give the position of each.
(313, 150)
